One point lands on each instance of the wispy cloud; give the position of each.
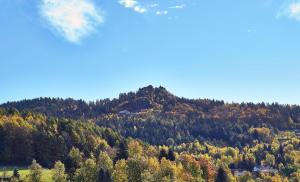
(133, 5)
(161, 13)
(151, 7)
(72, 19)
(181, 6)
(154, 5)
(294, 10)
(290, 9)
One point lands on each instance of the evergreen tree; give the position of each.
(163, 154)
(16, 173)
(105, 167)
(171, 155)
(221, 176)
(122, 152)
(73, 162)
(87, 172)
(104, 176)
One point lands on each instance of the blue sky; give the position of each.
(92, 49)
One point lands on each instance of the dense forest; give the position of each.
(155, 115)
(149, 136)
(158, 100)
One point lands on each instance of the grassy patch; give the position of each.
(47, 174)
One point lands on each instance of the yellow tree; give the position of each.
(135, 149)
(120, 173)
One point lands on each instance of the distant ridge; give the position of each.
(159, 100)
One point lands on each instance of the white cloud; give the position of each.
(139, 9)
(161, 13)
(128, 3)
(177, 6)
(295, 10)
(73, 19)
(291, 10)
(133, 5)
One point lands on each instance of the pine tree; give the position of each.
(221, 176)
(104, 176)
(163, 154)
(171, 155)
(122, 152)
(16, 173)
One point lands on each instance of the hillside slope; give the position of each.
(156, 112)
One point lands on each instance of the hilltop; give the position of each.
(160, 100)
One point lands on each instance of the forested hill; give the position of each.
(149, 101)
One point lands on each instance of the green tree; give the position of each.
(104, 162)
(76, 156)
(35, 172)
(87, 172)
(135, 168)
(73, 161)
(269, 160)
(59, 172)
